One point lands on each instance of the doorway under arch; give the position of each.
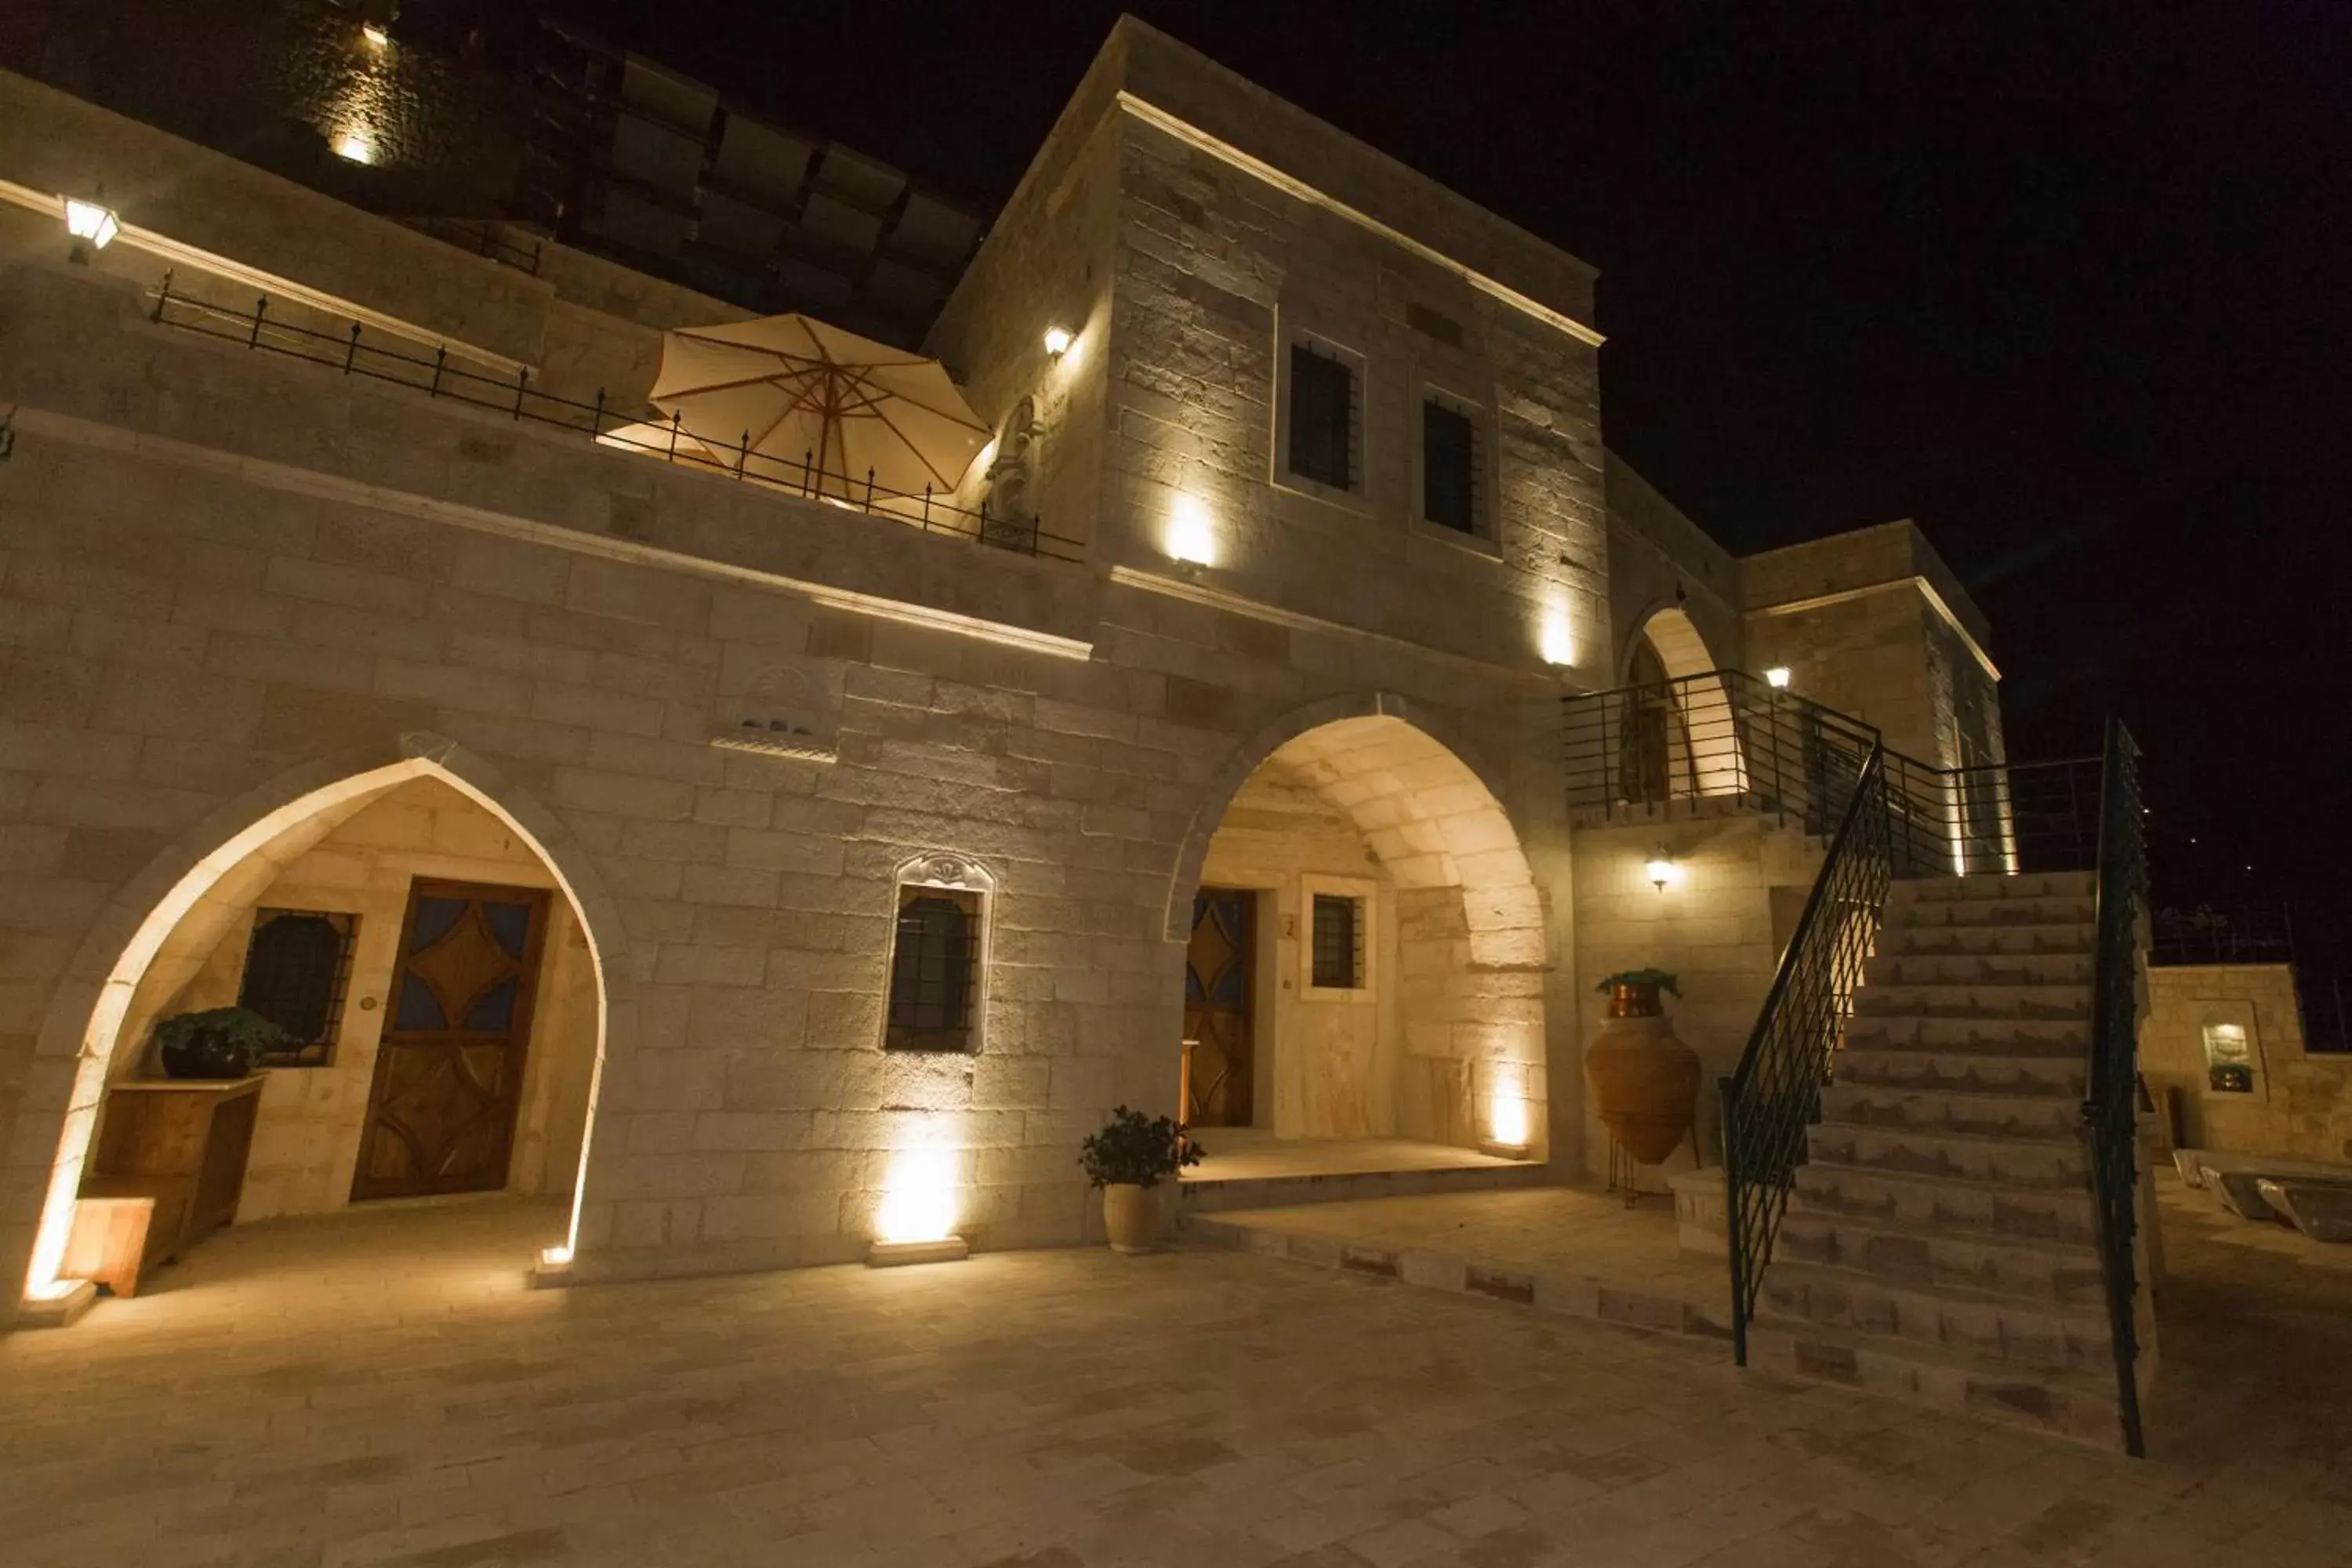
(372, 849)
(1365, 956)
(1681, 734)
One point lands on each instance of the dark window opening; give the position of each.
(934, 970)
(297, 966)
(1322, 418)
(1339, 943)
(1449, 467)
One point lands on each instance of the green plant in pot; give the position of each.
(1633, 993)
(1127, 1159)
(220, 1042)
(1644, 1081)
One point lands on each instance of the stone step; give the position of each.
(2034, 1333)
(2032, 1162)
(1210, 1195)
(2012, 912)
(2069, 1038)
(1899, 937)
(1973, 1001)
(1980, 1115)
(2080, 1406)
(2056, 1077)
(1977, 1208)
(2004, 969)
(1994, 884)
(1923, 1258)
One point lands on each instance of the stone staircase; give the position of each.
(1938, 1244)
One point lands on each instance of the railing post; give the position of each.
(596, 418)
(869, 488)
(1734, 1235)
(351, 350)
(252, 341)
(673, 435)
(162, 294)
(743, 456)
(522, 381)
(440, 362)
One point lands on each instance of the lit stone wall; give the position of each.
(1660, 560)
(306, 1137)
(1871, 623)
(1719, 929)
(2301, 1104)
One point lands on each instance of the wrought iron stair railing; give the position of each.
(1775, 1094)
(2111, 1104)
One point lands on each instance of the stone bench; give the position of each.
(2321, 1210)
(2235, 1180)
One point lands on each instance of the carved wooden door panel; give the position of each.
(1218, 964)
(448, 1071)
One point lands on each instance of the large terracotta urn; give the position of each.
(1644, 1081)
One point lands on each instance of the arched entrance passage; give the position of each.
(1681, 735)
(1364, 942)
(168, 922)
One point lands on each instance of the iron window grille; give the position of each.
(297, 968)
(1339, 943)
(1451, 495)
(1324, 446)
(934, 969)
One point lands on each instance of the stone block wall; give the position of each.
(2301, 1104)
(1720, 929)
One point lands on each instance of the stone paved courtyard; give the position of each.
(379, 1388)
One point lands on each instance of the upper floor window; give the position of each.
(298, 965)
(1451, 494)
(1325, 408)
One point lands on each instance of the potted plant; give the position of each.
(1644, 1081)
(1130, 1156)
(220, 1042)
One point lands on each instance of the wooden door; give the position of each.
(1218, 981)
(448, 1070)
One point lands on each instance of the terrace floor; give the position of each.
(380, 1388)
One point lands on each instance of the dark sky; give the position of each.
(2065, 282)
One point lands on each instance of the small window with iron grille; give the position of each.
(298, 965)
(1338, 938)
(1452, 487)
(934, 969)
(1325, 408)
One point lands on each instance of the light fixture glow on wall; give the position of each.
(1506, 1112)
(1057, 341)
(1661, 868)
(1191, 534)
(355, 147)
(374, 33)
(1557, 646)
(1776, 677)
(92, 224)
(919, 1198)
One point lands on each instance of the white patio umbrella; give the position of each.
(792, 390)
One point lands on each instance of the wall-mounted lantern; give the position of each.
(1776, 677)
(1661, 868)
(92, 224)
(1057, 341)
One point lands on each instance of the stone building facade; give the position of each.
(278, 635)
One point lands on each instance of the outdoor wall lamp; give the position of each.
(1661, 868)
(1057, 341)
(1776, 677)
(92, 224)
(376, 35)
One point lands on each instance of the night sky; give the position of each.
(2069, 284)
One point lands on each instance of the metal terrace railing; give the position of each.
(437, 376)
(1725, 739)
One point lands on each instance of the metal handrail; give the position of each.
(1661, 750)
(1775, 1093)
(2110, 1105)
(438, 377)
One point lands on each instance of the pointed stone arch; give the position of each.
(289, 813)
